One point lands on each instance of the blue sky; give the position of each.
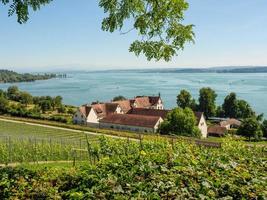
(67, 34)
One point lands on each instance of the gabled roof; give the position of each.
(105, 109)
(149, 112)
(132, 120)
(85, 110)
(146, 101)
(230, 122)
(198, 116)
(142, 102)
(160, 113)
(124, 104)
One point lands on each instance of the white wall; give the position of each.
(131, 128)
(79, 118)
(203, 127)
(92, 119)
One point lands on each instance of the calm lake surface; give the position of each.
(85, 87)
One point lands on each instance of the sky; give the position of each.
(68, 35)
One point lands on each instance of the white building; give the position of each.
(130, 122)
(91, 114)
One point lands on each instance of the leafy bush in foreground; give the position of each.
(150, 170)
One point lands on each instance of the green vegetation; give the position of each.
(232, 107)
(152, 169)
(158, 23)
(185, 100)
(207, 101)
(250, 128)
(264, 128)
(20, 142)
(235, 108)
(180, 122)
(7, 76)
(22, 104)
(119, 98)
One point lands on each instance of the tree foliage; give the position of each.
(250, 128)
(230, 105)
(119, 98)
(157, 22)
(236, 108)
(264, 128)
(207, 101)
(180, 122)
(7, 76)
(185, 100)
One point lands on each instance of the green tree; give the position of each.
(56, 102)
(264, 128)
(207, 101)
(185, 100)
(2, 93)
(244, 110)
(180, 122)
(45, 105)
(230, 106)
(26, 98)
(13, 93)
(220, 112)
(157, 23)
(3, 104)
(250, 128)
(119, 98)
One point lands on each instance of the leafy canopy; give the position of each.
(207, 101)
(180, 122)
(250, 128)
(185, 100)
(157, 22)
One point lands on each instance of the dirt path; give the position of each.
(36, 163)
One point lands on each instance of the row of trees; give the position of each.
(181, 121)
(45, 103)
(22, 104)
(232, 106)
(7, 76)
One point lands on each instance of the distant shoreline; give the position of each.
(7, 76)
(235, 70)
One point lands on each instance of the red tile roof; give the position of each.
(149, 112)
(85, 110)
(142, 102)
(105, 109)
(132, 120)
(125, 105)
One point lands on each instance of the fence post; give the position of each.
(140, 140)
(88, 149)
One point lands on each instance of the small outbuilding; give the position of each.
(217, 131)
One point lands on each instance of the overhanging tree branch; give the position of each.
(160, 21)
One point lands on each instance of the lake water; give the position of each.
(85, 87)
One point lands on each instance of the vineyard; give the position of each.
(21, 143)
(149, 169)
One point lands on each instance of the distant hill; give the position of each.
(241, 69)
(7, 76)
(210, 70)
